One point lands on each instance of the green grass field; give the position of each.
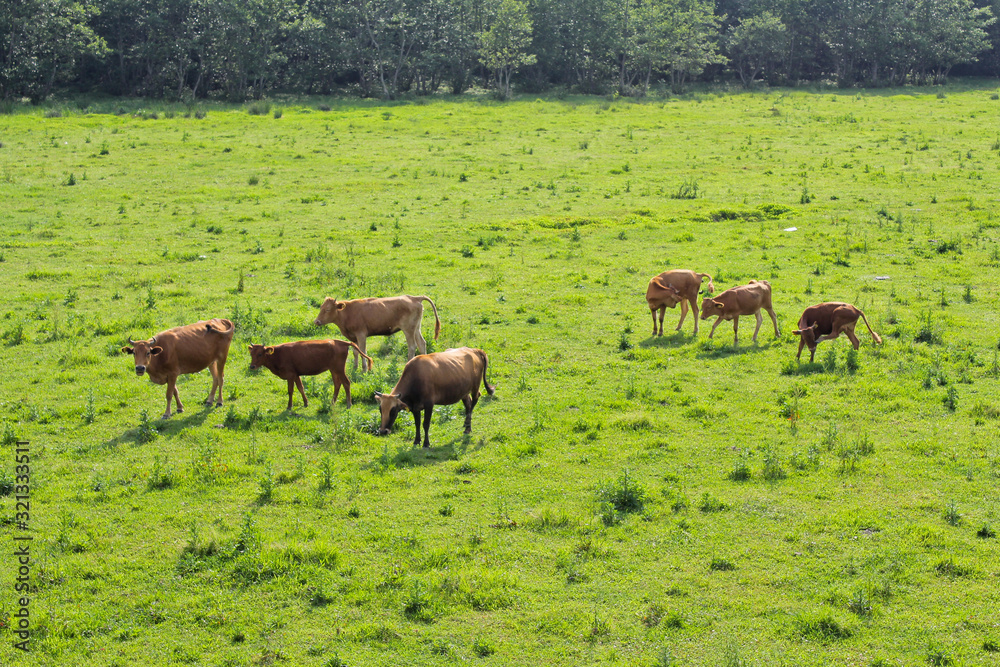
(623, 500)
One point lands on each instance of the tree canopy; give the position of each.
(241, 49)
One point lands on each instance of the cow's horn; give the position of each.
(130, 341)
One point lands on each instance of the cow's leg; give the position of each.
(798, 357)
(774, 320)
(416, 423)
(291, 392)
(213, 368)
(849, 332)
(421, 343)
(470, 403)
(717, 322)
(171, 392)
(694, 312)
(339, 381)
(812, 353)
(222, 378)
(428, 411)
(684, 312)
(652, 311)
(760, 320)
(302, 392)
(362, 345)
(736, 331)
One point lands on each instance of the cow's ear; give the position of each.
(155, 350)
(250, 348)
(269, 350)
(716, 304)
(797, 332)
(127, 350)
(341, 306)
(378, 394)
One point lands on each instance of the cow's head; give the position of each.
(808, 335)
(143, 352)
(329, 312)
(389, 405)
(259, 355)
(710, 307)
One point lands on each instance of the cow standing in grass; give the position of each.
(826, 321)
(358, 319)
(441, 378)
(673, 287)
(187, 349)
(290, 361)
(741, 300)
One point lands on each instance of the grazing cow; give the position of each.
(358, 319)
(289, 361)
(826, 321)
(741, 300)
(441, 378)
(673, 287)
(187, 349)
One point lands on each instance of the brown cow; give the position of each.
(187, 349)
(358, 319)
(441, 378)
(673, 287)
(826, 321)
(289, 361)
(741, 300)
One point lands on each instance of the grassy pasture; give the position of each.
(624, 499)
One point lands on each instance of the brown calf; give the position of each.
(673, 287)
(187, 349)
(441, 378)
(358, 319)
(826, 321)
(741, 300)
(289, 361)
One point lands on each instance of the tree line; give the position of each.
(241, 49)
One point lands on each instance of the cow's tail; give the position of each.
(437, 322)
(490, 388)
(224, 332)
(878, 339)
(358, 350)
(711, 285)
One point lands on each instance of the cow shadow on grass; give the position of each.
(676, 339)
(410, 455)
(711, 350)
(154, 427)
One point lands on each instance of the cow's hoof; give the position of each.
(179, 410)
(166, 416)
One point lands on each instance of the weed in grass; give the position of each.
(146, 432)
(991, 646)
(772, 470)
(861, 603)
(710, 503)
(89, 412)
(483, 647)
(938, 656)
(741, 468)
(950, 399)
(986, 531)
(665, 658)
(326, 474)
(162, 476)
(624, 494)
(718, 564)
(822, 627)
(951, 515)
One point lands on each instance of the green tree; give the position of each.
(503, 45)
(755, 45)
(41, 42)
(681, 38)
